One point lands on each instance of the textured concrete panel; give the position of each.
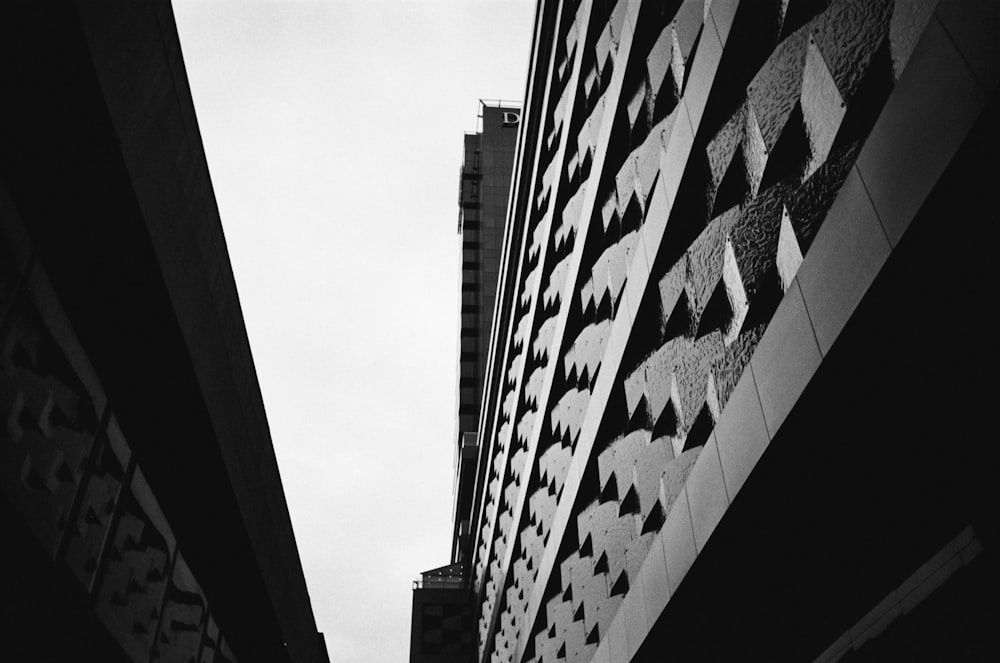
(971, 24)
(706, 490)
(785, 360)
(848, 35)
(789, 253)
(722, 13)
(909, 19)
(602, 653)
(678, 542)
(675, 151)
(823, 108)
(634, 611)
(699, 80)
(618, 641)
(907, 152)
(741, 434)
(656, 589)
(848, 252)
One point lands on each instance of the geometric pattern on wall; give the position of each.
(68, 472)
(797, 89)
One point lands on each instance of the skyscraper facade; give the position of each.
(443, 614)
(141, 510)
(729, 413)
(488, 160)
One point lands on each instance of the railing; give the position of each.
(441, 583)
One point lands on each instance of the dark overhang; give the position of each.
(99, 146)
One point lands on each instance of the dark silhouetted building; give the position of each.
(142, 512)
(488, 162)
(444, 615)
(736, 410)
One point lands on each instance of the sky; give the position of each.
(333, 132)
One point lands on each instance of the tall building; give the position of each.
(735, 409)
(488, 161)
(142, 512)
(443, 621)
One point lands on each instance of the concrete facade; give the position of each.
(143, 512)
(739, 245)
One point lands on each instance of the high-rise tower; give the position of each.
(483, 194)
(444, 614)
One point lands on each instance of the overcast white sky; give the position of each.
(334, 138)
